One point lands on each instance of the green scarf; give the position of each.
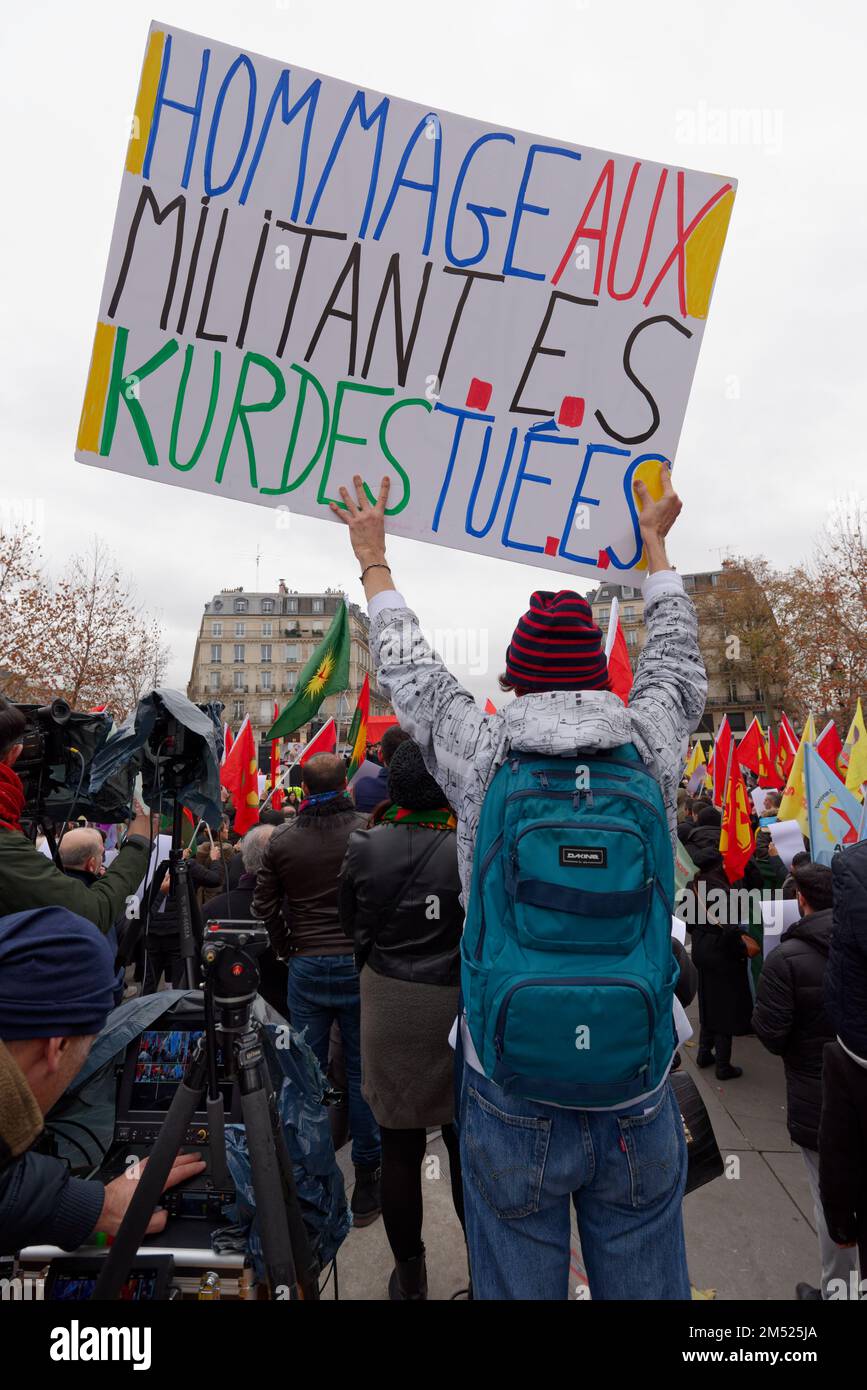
(443, 818)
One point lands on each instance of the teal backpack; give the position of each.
(567, 969)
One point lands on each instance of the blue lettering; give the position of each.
(378, 114)
(431, 188)
(461, 416)
(213, 190)
(509, 268)
(162, 100)
(287, 115)
(536, 434)
(478, 211)
(578, 499)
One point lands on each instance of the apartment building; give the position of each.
(251, 648)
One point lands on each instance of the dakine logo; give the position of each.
(75, 1343)
(584, 857)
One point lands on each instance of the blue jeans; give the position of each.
(322, 989)
(625, 1171)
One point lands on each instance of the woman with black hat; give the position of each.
(400, 902)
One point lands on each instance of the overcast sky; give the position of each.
(770, 437)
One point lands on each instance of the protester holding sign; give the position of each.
(518, 1197)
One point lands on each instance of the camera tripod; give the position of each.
(182, 895)
(231, 985)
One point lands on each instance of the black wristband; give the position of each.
(373, 567)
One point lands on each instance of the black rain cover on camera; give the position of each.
(56, 791)
(201, 792)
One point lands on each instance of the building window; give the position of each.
(216, 652)
(604, 616)
(266, 629)
(240, 605)
(266, 680)
(215, 680)
(238, 708)
(238, 680)
(266, 652)
(266, 712)
(629, 613)
(291, 605)
(689, 583)
(292, 652)
(216, 629)
(240, 630)
(239, 652)
(267, 605)
(319, 605)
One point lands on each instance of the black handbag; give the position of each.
(704, 1160)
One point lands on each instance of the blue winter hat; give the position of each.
(57, 975)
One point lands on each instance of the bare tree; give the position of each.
(85, 637)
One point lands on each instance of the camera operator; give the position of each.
(163, 947)
(56, 986)
(28, 879)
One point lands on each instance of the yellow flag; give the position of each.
(695, 760)
(856, 747)
(794, 803)
(809, 734)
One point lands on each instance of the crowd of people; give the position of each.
(370, 896)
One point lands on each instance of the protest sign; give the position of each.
(787, 837)
(308, 280)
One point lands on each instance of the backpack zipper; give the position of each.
(567, 980)
(494, 846)
(633, 796)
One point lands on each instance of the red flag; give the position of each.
(753, 754)
(276, 796)
(240, 776)
(323, 742)
(737, 841)
(770, 777)
(617, 656)
(722, 750)
(751, 748)
(787, 729)
(490, 707)
(785, 759)
(98, 709)
(829, 746)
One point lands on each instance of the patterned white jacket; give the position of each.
(463, 748)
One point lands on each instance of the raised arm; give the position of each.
(670, 684)
(431, 705)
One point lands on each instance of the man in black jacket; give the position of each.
(56, 985)
(791, 1021)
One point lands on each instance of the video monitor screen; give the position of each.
(70, 1288)
(160, 1063)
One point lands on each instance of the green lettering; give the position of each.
(240, 412)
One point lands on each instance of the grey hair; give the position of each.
(253, 847)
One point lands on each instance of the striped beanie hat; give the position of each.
(557, 646)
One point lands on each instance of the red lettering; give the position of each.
(683, 235)
(648, 235)
(597, 234)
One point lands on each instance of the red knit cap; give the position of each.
(557, 646)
